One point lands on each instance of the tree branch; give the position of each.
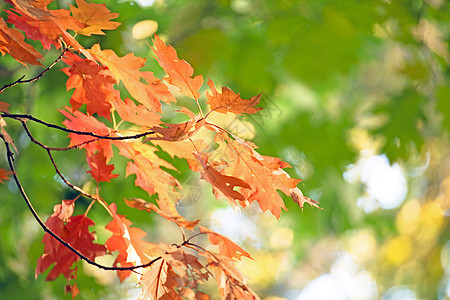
(50, 125)
(10, 158)
(20, 80)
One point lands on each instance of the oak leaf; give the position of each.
(31, 28)
(81, 122)
(93, 84)
(159, 282)
(136, 114)
(96, 17)
(126, 69)
(226, 246)
(100, 171)
(229, 101)
(4, 107)
(75, 231)
(149, 207)
(179, 71)
(35, 9)
(128, 242)
(13, 42)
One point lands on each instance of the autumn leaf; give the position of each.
(31, 28)
(4, 175)
(93, 84)
(146, 165)
(36, 9)
(126, 70)
(229, 279)
(149, 207)
(13, 42)
(177, 132)
(229, 101)
(159, 282)
(179, 71)
(100, 171)
(75, 231)
(264, 174)
(81, 122)
(96, 17)
(128, 242)
(300, 199)
(226, 246)
(136, 114)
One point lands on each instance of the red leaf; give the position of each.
(75, 231)
(100, 171)
(94, 85)
(180, 72)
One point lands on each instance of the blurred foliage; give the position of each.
(344, 83)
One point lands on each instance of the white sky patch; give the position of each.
(344, 282)
(386, 185)
(233, 225)
(145, 3)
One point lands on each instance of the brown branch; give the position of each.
(50, 125)
(10, 158)
(20, 80)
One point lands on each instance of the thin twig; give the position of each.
(20, 80)
(10, 155)
(50, 125)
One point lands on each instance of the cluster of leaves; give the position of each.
(233, 167)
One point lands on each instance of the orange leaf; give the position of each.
(128, 241)
(226, 246)
(147, 206)
(126, 70)
(96, 17)
(177, 132)
(264, 174)
(229, 101)
(94, 85)
(159, 282)
(149, 175)
(180, 72)
(136, 114)
(75, 231)
(81, 122)
(12, 42)
(4, 175)
(34, 8)
(100, 171)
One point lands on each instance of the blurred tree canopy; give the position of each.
(357, 100)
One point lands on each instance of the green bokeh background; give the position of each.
(342, 81)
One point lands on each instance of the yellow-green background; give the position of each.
(343, 82)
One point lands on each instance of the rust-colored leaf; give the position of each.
(96, 17)
(4, 107)
(13, 42)
(229, 101)
(93, 84)
(100, 171)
